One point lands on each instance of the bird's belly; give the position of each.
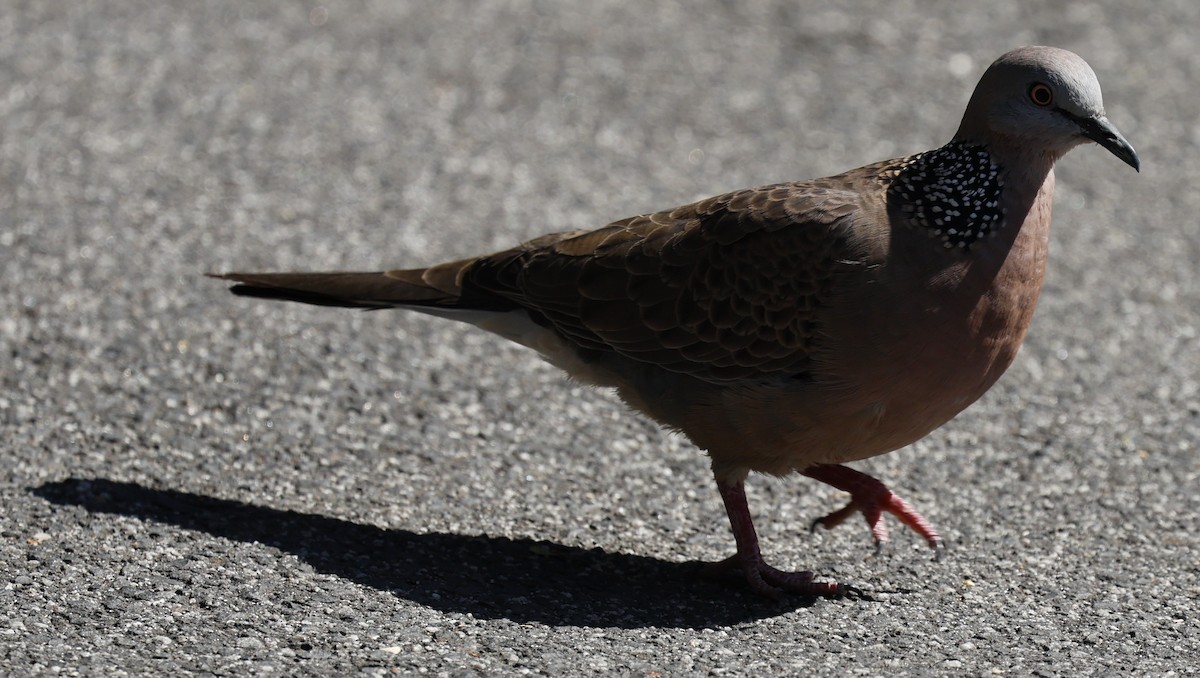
(913, 381)
(882, 391)
(927, 378)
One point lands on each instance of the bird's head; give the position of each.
(1045, 98)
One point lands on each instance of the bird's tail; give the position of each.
(433, 287)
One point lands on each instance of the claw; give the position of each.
(855, 593)
(872, 498)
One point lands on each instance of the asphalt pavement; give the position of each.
(194, 483)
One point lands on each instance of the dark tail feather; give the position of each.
(378, 290)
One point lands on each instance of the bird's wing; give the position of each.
(728, 288)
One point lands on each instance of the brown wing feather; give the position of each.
(725, 288)
(728, 288)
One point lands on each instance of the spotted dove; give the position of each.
(797, 326)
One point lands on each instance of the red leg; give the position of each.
(762, 578)
(871, 498)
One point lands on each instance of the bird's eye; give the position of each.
(1041, 95)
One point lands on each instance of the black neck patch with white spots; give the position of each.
(953, 191)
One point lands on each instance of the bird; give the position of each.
(794, 327)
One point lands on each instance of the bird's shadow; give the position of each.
(520, 580)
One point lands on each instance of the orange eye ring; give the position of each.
(1041, 94)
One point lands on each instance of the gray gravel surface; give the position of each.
(194, 483)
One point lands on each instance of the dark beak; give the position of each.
(1101, 131)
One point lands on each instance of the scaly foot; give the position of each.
(748, 561)
(871, 498)
(772, 582)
